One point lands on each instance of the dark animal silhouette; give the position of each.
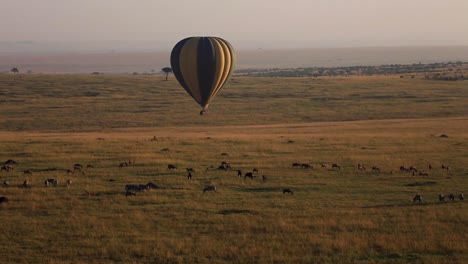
(210, 188)
(441, 198)
(171, 167)
(249, 175)
(417, 198)
(334, 165)
(3, 199)
(288, 191)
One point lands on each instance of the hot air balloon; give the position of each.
(202, 65)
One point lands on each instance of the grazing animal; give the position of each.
(190, 170)
(89, 166)
(461, 197)
(375, 168)
(441, 198)
(404, 169)
(423, 173)
(10, 162)
(28, 172)
(130, 193)
(417, 198)
(451, 197)
(77, 166)
(249, 175)
(7, 168)
(6, 183)
(306, 166)
(123, 164)
(3, 199)
(189, 176)
(239, 173)
(25, 184)
(70, 171)
(210, 188)
(152, 185)
(323, 165)
(334, 165)
(413, 169)
(445, 167)
(361, 167)
(296, 165)
(288, 191)
(430, 167)
(264, 178)
(171, 167)
(255, 170)
(140, 187)
(51, 181)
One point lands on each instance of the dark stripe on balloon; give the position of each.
(206, 67)
(175, 64)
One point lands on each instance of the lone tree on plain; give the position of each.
(166, 70)
(14, 70)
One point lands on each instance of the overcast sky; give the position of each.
(244, 23)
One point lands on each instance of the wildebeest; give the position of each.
(70, 171)
(451, 197)
(51, 181)
(288, 191)
(445, 167)
(190, 170)
(296, 165)
(3, 199)
(7, 168)
(189, 176)
(441, 198)
(413, 169)
(461, 197)
(404, 169)
(29, 172)
(361, 167)
(171, 167)
(89, 166)
(77, 166)
(140, 187)
(255, 170)
(25, 184)
(334, 165)
(264, 178)
(130, 193)
(248, 175)
(239, 173)
(10, 162)
(210, 188)
(123, 164)
(375, 168)
(306, 166)
(423, 173)
(323, 165)
(417, 198)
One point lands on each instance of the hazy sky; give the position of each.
(244, 23)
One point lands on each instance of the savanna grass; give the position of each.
(335, 215)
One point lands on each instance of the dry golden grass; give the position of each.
(334, 216)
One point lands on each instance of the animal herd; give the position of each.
(132, 189)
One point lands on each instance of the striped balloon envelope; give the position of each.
(202, 65)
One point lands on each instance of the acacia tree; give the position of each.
(166, 70)
(14, 70)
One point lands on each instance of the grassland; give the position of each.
(50, 122)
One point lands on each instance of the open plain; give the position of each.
(130, 128)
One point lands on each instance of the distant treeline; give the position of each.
(435, 71)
